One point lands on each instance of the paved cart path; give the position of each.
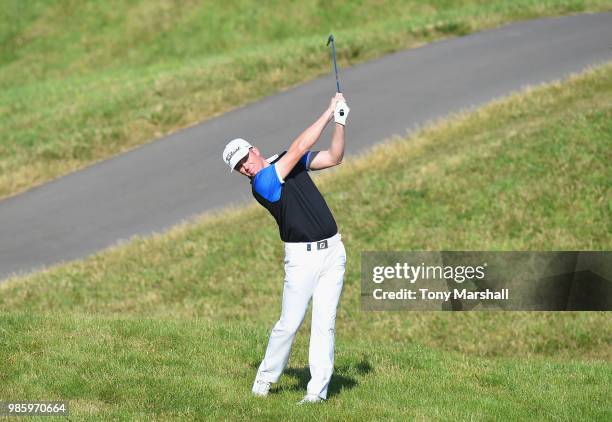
(157, 185)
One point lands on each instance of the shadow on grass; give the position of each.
(342, 379)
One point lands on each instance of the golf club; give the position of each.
(331, 39)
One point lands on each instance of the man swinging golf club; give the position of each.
(314, 253)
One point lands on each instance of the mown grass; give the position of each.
(139, 369)
(174, 325)
(81, 81)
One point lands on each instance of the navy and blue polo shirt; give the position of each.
(295, 203)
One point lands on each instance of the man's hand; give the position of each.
(332, 104)
(341, 112)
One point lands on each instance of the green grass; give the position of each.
(175, 324)
(116, 368)
(81, 81)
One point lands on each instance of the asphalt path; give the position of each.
(182, 175)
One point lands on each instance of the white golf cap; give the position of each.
(235, 151)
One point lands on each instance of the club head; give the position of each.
(330, 39)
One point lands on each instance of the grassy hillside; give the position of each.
(142, 369)
(84, 80)
(190, 310)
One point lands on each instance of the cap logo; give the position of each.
(229, 156)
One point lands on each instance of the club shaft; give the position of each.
(335, 66)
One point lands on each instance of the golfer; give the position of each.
(314, 254)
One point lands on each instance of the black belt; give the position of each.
(321, 244)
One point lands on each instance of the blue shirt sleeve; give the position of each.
(307, 159)
(268, 184)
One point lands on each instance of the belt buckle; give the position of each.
(322, 244)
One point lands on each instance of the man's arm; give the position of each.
(332, 156)
(305, 141)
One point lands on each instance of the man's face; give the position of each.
(251, 164)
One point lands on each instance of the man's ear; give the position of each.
(256, 151)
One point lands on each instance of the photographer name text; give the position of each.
(426, 294)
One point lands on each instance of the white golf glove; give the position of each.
(341, 112)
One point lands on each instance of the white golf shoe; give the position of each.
(261, 388)
(311, 398)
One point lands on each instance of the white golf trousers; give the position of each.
(317, 274)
